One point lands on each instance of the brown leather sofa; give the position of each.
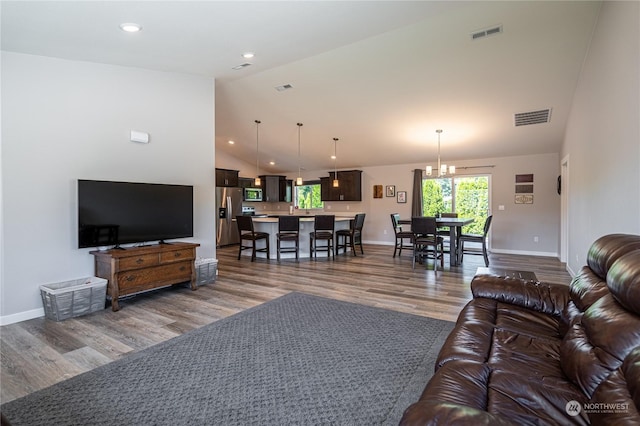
(542, 353)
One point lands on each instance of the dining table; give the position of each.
(455, 225)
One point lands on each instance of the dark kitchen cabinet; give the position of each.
(226, 177)
(246, 182)
(276, 188)
(350, 188)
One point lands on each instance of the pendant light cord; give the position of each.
(299, 126)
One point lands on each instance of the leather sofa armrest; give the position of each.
(430, 412)
(548, 298)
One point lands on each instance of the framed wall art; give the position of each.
(391, 190)
(402, 197)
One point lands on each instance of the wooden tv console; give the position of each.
(136, 269)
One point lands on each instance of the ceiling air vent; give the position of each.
(284, 87)
(533, 117)
(239, 67)
(486, 32)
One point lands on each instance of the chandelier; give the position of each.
(442, 168)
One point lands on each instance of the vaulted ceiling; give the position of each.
(381, 76)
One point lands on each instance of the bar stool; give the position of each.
(246, 231)
(351, 236)
(288, 230)
(323, 226)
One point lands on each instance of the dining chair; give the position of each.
(323, 226)
(475, 238)
(288, 230)
(352, 236)
(443, 231)
(401, 235)
(426, 236)
(246, 231)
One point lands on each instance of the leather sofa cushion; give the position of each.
(514, 395)
(533, 401)
(598, 344)
(429, 411)
(622, 388)
(473, 337)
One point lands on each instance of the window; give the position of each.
(308, 196)
(466, 195)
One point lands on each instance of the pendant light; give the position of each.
(442, 168)
(336, 183)
(299, 179)
(257, 181)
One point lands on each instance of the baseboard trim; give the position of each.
(491, 250)
(21, 316)
(526, 252)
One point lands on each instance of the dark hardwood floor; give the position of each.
(38, 353)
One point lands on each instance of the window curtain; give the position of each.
(416, 200)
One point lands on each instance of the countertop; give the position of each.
(303, 218)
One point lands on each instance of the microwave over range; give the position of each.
(253, 194)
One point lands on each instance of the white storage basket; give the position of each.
(73, 298)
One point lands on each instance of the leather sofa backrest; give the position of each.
(601, 338)
(609, 248)
(590, 284)
(623, 281)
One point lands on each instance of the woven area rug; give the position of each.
(298, 359)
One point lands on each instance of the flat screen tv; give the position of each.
(115, 213)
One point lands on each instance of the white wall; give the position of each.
(64, 120)
(603, 134)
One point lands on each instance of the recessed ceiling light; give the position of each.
(333, 157)
(130, 27)
(272, 163)
(248, 55)
(231, 142)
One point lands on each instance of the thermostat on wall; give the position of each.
(140, 137)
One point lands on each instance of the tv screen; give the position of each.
(114, 213)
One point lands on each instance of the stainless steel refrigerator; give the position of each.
(228, 206)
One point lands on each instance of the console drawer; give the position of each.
(176, 255)
(137, 262)
(143, 279)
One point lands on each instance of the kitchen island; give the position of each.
(270, 225)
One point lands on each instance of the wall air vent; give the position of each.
(533, 117)
(239, 67)
(284, 87)
(486, 32)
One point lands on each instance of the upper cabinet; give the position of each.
(349, 189)
(226, 177)
(276, 189)
(246, 182)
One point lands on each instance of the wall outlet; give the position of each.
(348, 206)
(536, 239)
(384, 232)
(329, 207)
(501, 207)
